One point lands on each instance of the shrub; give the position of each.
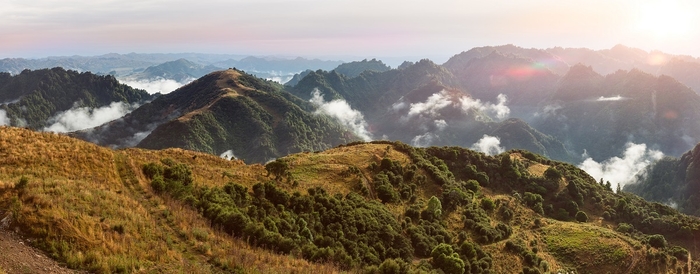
(487, 204)
(581, 216)
(657, 241)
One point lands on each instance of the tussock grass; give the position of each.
(91, 208)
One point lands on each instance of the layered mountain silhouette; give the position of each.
(225, 111)
(180, 70)
(32, 98)
(600, 114)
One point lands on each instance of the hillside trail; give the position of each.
(16, 256)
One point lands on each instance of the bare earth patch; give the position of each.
(16, 256)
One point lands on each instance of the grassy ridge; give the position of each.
(363, 207)
(90, 208)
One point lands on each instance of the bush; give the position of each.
(657, 241)
(487, 204)
(581, 216)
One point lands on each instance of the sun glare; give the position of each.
(664, 19)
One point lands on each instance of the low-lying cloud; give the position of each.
(612, 98)
(341, 110)
(490, 145)
(499, 111)
(4, 120)
(622, 171)
(438, 101)
(79, 118)
(228, 155)
(155, 86)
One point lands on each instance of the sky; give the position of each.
(436, 29)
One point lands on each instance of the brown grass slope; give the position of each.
(92, 208)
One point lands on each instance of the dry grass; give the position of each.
(91, 208)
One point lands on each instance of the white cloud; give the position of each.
(499, 111)
(440, 124)
(79, 118)
(424, 140)
(341, 110)
(622, 171)
(4, 120)
(154, 86)
(489, 144)
(431, 106)
(612, 98)
(228, 155)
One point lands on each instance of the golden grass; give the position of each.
(92, 208)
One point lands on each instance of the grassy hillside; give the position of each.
(378, 207)
(225, 111)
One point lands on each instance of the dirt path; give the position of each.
(16, 256)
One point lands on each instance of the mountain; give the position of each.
(279, 69)
(600, 114)
(38, 99)
(297, 77)
(523, 80)
(674, 181)
(380, 207)
(112, 63)
(225, 111)
(420, 104)
(180, 70)
(354, 69)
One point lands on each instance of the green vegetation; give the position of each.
(36, 96)
(379, 207)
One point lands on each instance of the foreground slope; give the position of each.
(363, 207)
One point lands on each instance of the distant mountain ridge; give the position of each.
(31, 98)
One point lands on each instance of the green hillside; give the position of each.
(32, 97)
(225, 111)
(380, 207)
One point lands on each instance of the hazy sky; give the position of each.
(340, 27)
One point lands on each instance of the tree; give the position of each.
(581, 216)
(434, 207)
(277, 168)
(446, 259)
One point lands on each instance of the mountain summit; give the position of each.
(225, 111)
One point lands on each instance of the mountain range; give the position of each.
(464, 174)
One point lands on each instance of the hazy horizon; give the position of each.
(328, 30)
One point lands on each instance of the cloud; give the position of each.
(79, 118)
(228, 155)
(424, 140)
(438, 101)
(622, 171)
(4, 120)
(612, 98)
(548, 110)
(488, 144)
(499, 111)
(154, 86)
(341, 110)
(431, 106)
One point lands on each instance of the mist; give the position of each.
(161, 85)
(499, 111)
(4, 120)
(622, 170)
(228, 155)
(612, 98)
(341, 110)
(490, 145)
(79, 118)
